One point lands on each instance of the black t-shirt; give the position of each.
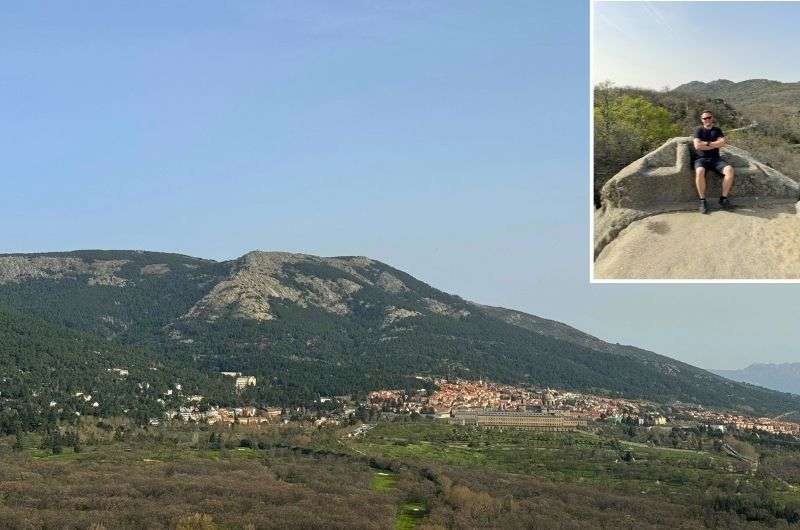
(708, 135)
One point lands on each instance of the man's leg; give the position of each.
(727, 180)
(700, 182)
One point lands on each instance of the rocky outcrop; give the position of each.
(342, 286)
(254, 280)
(15, 269)
(155, 269)
(259, 277)
(391, 284)
(440, 308)
(352, 266)
(663, 181)
(327, 294)
(393, 314)
(745, 244)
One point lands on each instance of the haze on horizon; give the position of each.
(449, 140)
(666, 44)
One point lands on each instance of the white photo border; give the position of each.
(592, 279)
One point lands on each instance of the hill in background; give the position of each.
(775, 105)
(305, 326)
(783, 377)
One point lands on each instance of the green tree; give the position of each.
(18, 444)
(625, 128)
(56, 444)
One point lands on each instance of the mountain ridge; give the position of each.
(735, 88)
(783, 377)
(309, 326)
(773, 105)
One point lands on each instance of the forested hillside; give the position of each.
(127, 295)
(305, 326)
(49, 373)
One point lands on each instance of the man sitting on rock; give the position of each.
(707, 141)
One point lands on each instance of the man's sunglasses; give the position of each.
(707, 117)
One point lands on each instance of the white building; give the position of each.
(244, 381)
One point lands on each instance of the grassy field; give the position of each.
(383, 481)
(698, 481)
(399, 475)
(559, 457)
(410, 515)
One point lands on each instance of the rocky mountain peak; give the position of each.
(259, 277)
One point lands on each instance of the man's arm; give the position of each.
(700, 145)
(719, 142)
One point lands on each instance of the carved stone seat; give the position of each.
(663, 181)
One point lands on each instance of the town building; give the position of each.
(549, 421)
(245, 381)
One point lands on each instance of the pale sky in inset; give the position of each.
(658, 44)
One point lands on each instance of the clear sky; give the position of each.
(448, 139)
(658, 44)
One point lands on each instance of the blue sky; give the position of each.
(658, 44)
(448, 139)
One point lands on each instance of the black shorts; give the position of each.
(715, 164)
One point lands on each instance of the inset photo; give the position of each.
(695, 163)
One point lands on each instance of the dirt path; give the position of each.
(746, 243)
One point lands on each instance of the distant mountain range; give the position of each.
(784, 377)
(747, 92)
(304, 326)
(773, 104)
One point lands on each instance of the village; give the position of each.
(452, 398)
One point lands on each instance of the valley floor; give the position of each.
(396, 475)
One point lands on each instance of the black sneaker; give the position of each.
(725, 203)
(703, 207)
